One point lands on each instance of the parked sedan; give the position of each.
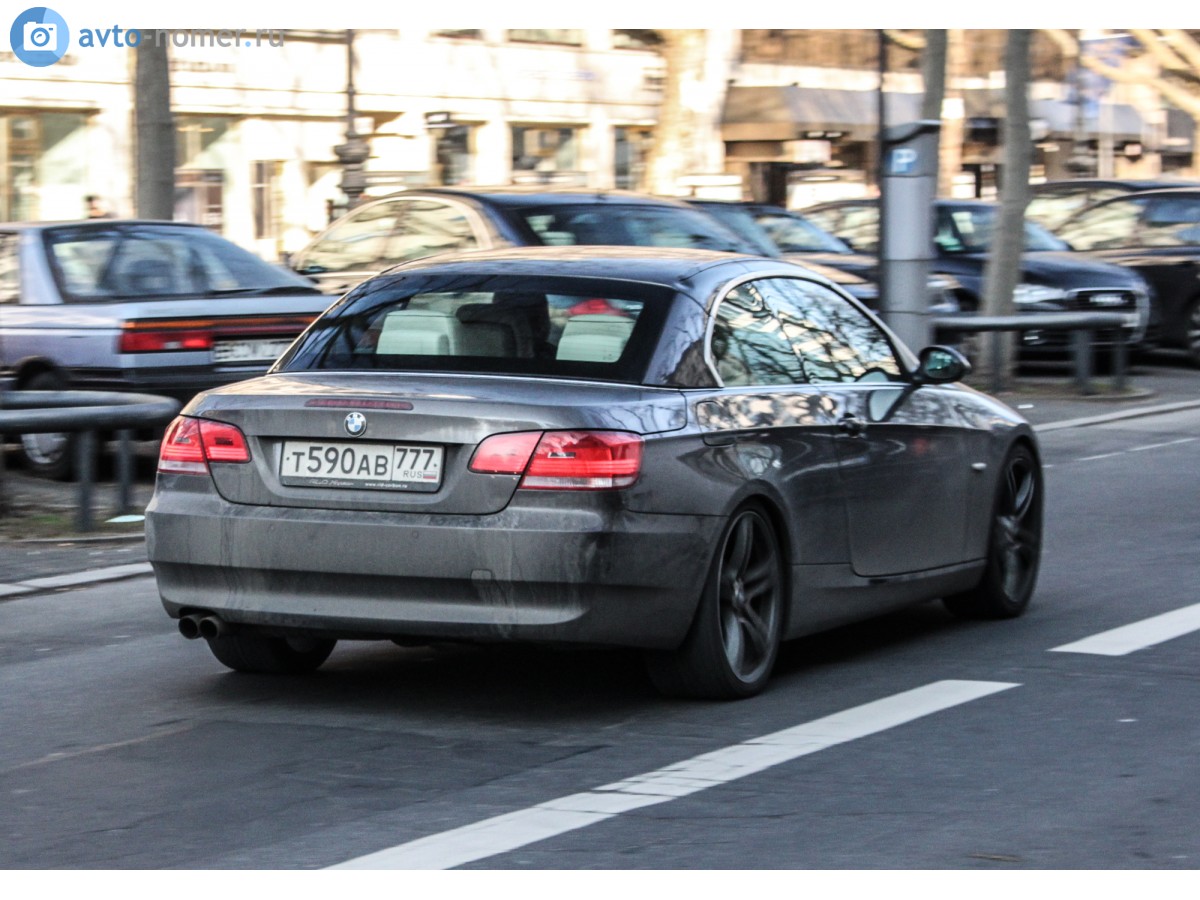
(417, 223)
(1157, 234)
(150, 307)
(1053, 279)
(779, 232)
(1053, 202)
(687, 452)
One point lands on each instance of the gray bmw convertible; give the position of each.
(693, 453)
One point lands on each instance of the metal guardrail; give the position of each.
(86, 413)
(1084, 326)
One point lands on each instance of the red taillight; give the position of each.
(134, 340)
(563, 460)
(191, 444)
(505, 454)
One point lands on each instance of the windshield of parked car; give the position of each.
(496, 324)
(968, 229)
(629, 225)
(122, 262)
(738, 220)
(793, 234)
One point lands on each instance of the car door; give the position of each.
(764, 424)
(902, 454)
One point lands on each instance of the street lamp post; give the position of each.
(355, 151)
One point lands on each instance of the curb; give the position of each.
(73, 579)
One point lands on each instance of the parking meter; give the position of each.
(907, 189)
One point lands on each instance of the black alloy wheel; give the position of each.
(1014, 544)
(732, 645)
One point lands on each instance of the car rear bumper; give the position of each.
(541, 572)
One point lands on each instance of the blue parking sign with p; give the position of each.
(903, 161)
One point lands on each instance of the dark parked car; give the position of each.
(1053, 278)
(778, 232)
(687, 452)
(418, 223)
(1157, 234)
(149, 307)
(1054, 202)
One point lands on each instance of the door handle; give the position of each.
(852, 425)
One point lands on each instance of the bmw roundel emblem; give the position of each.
(356, 424)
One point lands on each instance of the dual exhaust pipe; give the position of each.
(202, 625)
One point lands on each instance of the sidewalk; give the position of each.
(36, 564)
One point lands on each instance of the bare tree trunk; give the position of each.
(1002, 271)
(675, 134)
(952, 113)
(155, 131)
(933, 73)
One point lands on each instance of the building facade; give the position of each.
(256, 126)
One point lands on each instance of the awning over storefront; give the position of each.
(793, 113)
(1118, 119)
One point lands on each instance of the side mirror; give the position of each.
(940, 365)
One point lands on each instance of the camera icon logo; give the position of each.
(39, 37)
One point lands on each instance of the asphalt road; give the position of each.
(912, 742)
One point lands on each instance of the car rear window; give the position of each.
(553, 327)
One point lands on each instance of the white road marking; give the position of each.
(1139, 635)
(1163, 444)
(502, 834)
(1100, 456)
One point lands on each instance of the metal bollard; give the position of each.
(124, 471)
(85, 471)
(1081, 341)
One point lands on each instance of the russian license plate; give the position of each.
(1108, 300)
(250, 351)
(394, 467)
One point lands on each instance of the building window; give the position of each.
(631, 150)
(43, 166)
(199, 197)
(452, 152)
(636, 39)
(267, 198)
(570, 36)
(544, 150)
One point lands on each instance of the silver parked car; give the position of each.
(151, 307)
(694, 453)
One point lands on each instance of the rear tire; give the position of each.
(246, 651)
(731, 648)
(52, 454)
(1191, 332)
(1014, 544)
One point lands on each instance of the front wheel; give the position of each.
(731, 647)
(246, 651)
(1014, 544)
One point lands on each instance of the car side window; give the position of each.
(836, 342)
(748, 344)
(10, 276)
(356, 242)
(1171, 222)
(426, 228)
(1104, 227)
